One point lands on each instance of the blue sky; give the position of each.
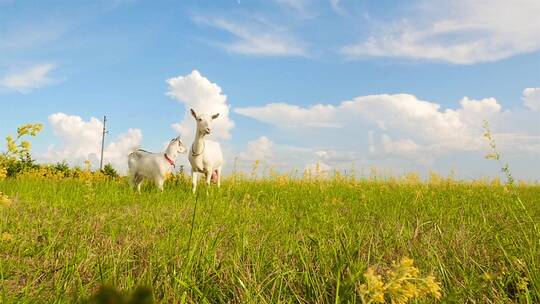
(276, 61)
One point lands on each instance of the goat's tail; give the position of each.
(133, 157)
(131, 160)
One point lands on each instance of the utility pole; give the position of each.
(103, 142)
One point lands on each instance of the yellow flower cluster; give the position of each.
(255, 168)
(401, 284)
(49, 172)
(29, 129)
(22, 149)
(6, 237)
(372, 291)
(3, 172)
(90, 176)
(522, 284)
(42, 172)
(5, 200)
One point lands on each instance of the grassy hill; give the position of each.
(270, 241)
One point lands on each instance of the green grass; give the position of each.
(263, 241)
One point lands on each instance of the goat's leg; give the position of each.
(159, 182)
(135, 181)
(131, 179)
(209, 172)
(218, 173)
(138, 182)
(208, 177)
(194, 181)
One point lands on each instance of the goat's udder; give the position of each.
(214, 176)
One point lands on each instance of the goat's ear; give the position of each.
(193, 113)
(215, 116)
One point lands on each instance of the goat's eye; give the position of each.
(200, 119)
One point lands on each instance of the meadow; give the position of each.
(270, 240)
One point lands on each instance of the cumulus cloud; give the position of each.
(29, 79)
(291, 159)
(402, 149)
(256, 38)
(197, 92)
(287, 115)
(460, 32)
(403, 126)
(531, 98)
(81, 140)
(269, 154)
(259, 149)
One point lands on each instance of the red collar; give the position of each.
(170, 161)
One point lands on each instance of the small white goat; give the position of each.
(205, 156)
(153, 166)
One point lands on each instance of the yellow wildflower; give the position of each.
(488, 277)
(492, 156)
(11, 145)
(87, 165)
(25, 144)
(255, 168)
(401, 284)
(5, 200)
(433, 287)
(3, 172)
(6, 237)
(36, 128)
(373, 289)
(522, 284)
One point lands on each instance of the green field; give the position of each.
(266, 241)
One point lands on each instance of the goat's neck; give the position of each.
(171, 152)
(198, 144)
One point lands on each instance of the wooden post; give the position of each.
(103, 142)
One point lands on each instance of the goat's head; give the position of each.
(203, 122)
(177, 145)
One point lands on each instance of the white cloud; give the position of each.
(403, 149)
(256, 38)
(300, 8)
(402, 126)
(268, 154)
(531, 98)
(293, 160)
(298, 5)
(335, 157)
(81, 140)
(29, 79)
(205, 97)
(259, 149)
(286, 115)
(399, 147)
(460, 32)
(116, 152)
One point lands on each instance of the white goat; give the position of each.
(205, 156)
(153, 166)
